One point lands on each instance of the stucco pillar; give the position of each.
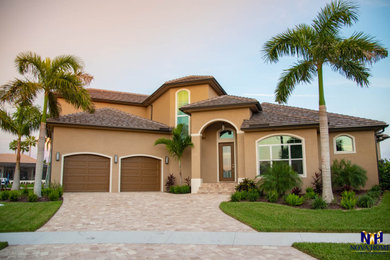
(240, 169)
(196, 179)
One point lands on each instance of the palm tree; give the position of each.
(64, 76)
(14, 146)
(176, 146)
(30, 141)
(21, 123)
(315, 46)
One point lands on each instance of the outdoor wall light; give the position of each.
(166, 159)
(57, 156)
(115, 158)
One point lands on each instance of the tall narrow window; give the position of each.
(280, 149)
(182, 98)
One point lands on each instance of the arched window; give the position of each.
(182, 98)
(344, 144)
(226, 134)
(280, 149)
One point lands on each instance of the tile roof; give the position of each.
(188, 78)
(223, 101)
(273, 115)
(11, 158)
(116, 96)
(109, 118)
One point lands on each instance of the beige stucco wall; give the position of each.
(109, 143)
(365, 155)
(311, 150)
(67, 108)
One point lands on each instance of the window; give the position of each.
(226, 134)
(280, 149)
(182, 98)
(344, 144)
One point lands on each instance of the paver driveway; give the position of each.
(147, 211)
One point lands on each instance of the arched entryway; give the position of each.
(218, 152)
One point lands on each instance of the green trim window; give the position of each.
(280, 149)
(344, 144)
(182, 99)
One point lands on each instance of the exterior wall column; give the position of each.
(240, 169)
(196, 179)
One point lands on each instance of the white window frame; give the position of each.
(344, 152)
(176, 108)
(303, 143)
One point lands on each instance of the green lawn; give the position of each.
(3, 245)
(26, 216)
(270, 217)
(334, 251)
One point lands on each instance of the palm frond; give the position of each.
(301, 72)
(29, 62)
(361, 47)
(353, 70)
(20, 92)
(292, 42)
(66, 63)
(6, 122)
(335, 15)
(54, 106)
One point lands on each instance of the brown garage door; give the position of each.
(140, 174)
(86, 172)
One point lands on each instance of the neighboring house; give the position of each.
(27, 166)
(234, 138)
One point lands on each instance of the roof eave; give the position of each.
(252, 106)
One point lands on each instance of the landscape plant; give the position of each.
(280, 178)
(235, 197)
(21, 123)
(384, 174)
(170, 182)
(347, 175)
(317, 182)
(14, 195)
(253, 195)
(272, 196)
(62, 76)
(246, 185)
(177, 144)
(319, 203)
(315, 46)
(32, 197)
(4, 195)
(365, 201)
(293, 200)
(348, 199)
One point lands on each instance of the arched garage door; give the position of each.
(86, 172)
(140, 173)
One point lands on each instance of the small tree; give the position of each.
(280, 178)
(21, 123)
(177, 145)
(30, 141)
(13, 146)
(347, 175)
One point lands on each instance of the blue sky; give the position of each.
(135, 46)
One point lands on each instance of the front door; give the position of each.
(226, 162)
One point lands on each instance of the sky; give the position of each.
(135, 46)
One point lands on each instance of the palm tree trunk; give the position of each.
(41, 150)
(16, 183)
(180, 171)
(327, 192)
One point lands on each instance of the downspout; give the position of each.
(151, 112)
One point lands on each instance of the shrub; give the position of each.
(347, 175)
(365, 201)
(45, 192)
(32, 197)
(170, 182)
(374, 194)
(187, 181)
(310, 194)
(296, 191)
(4, 195)
(236, 197)
(53, 195)
(14, 195)
(253, 195)
(180, 189)
(244, 195)
(57, 187)
(272, 196)
(246, 185)
(25, 191)
(384, 174)
(348, 200)
(280, 178)
(377, 188)
(293, 200)
(317, 182)
(309, 189)
(319, 203)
